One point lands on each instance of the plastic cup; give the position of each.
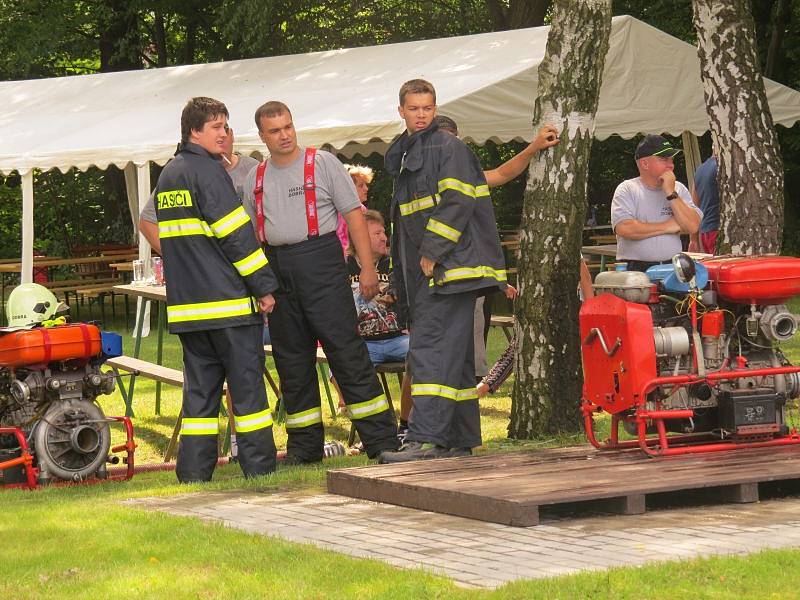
(138, 272)
(157, 270)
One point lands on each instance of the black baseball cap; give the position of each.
(655, 145)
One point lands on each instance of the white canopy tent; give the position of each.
(345, 98)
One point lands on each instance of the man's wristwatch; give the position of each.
(672, 196)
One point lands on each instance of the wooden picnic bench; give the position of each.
(86, 289)
(166, 375)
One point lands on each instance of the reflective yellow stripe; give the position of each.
(181, 227)
(443, 230)
(230, 222)
(200, 426)
(443, 391)
(451, 183)
(252, 263)
(359, 410)
(304, 419)
(472, 273)
(220, 309)
(418, 204)
(254, 421)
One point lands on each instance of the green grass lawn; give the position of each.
(82, 542)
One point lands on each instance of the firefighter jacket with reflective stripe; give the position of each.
(441, 207)
(214, 267)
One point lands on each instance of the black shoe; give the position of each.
(413, 451)
(454, 452)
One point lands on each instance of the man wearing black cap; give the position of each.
(649, 212)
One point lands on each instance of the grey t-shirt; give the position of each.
(238, 175)
(284, 199)
(634, 200)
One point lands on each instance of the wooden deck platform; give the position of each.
(511, 488)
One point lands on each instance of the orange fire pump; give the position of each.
(687, 357)
(51, 428)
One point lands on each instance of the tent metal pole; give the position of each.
(131, 188)
(691, 152)
(26, 274)
(143, 193)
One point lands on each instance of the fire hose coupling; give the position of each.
(20, 391)
(777, 323)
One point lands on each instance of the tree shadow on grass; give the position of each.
(152, 437)
(491, 411)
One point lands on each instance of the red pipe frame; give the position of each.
(662, 440)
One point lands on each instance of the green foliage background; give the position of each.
(58, 38)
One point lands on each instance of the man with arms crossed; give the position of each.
(314, 301)
(649, 212)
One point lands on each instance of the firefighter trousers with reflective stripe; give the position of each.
(209, 358)
(314, 302)
(442, 358)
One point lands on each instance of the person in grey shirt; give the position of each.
(314, 300)
(284, 197)
(649, 212)
(237, 167)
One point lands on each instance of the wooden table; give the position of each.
(16, 266)
(148, 293)
(506, 322)
(603, 251)
(122, 266)
(605, 238)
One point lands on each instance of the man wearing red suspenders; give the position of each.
(294, 198)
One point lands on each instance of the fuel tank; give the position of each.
(43, 345)
(754, 279)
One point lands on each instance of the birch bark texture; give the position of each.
(750, 172)
(547, 387)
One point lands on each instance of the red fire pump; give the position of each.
(687, 357)
(51, 428)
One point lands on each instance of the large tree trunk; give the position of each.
(750, 172)
(547, 388)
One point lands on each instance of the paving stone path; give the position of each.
(486, 555)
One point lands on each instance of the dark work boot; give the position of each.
(414, 451)
(454, 452)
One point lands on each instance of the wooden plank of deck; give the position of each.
(510, 488)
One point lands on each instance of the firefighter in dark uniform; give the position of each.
(446, 250)
(218, 279)
(299, 194)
